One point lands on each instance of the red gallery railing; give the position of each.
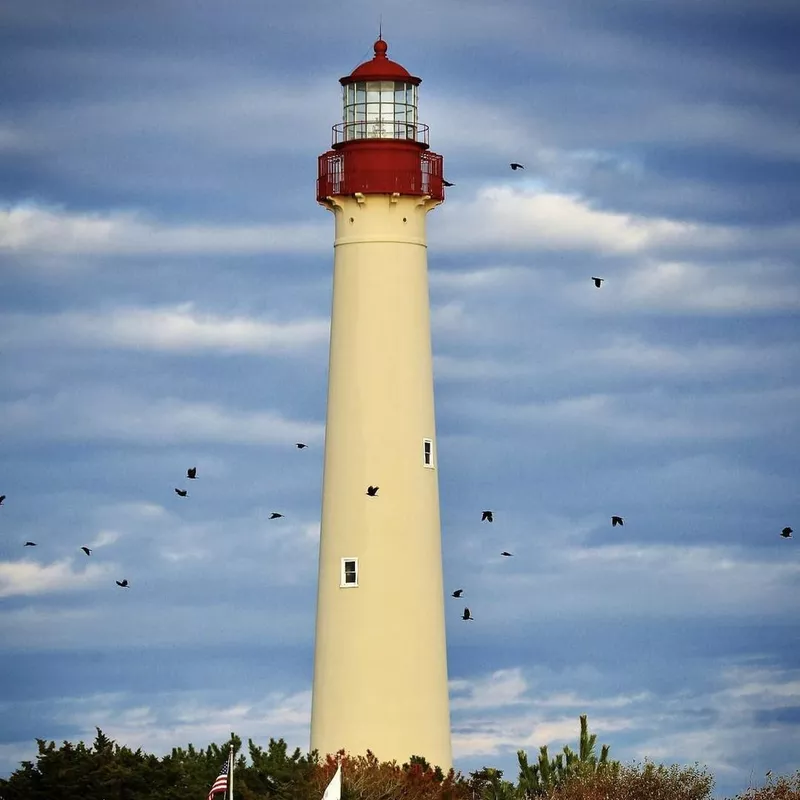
(339, 174)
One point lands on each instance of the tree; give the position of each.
(537, 780)
(274, 773)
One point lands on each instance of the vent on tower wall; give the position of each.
(349, 577)
(427, 453)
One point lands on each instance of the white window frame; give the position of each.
(342, 582)
(432, 465)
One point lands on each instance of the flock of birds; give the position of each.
(488, 516)
(191, 474)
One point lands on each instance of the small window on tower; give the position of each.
(427, 452)
(349, 573)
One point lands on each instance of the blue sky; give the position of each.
(165, 279)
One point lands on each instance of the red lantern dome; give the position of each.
(380, 68)
(380, 147)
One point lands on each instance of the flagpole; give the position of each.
(230, 774)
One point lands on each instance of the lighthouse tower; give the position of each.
(380, 661)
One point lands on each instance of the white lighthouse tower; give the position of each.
(380, 661)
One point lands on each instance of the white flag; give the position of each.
(334, 790)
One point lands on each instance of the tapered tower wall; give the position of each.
(380, 668)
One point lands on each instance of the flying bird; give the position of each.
(87, 550)
(372, 491)
(2, 497)
(487, 516)
(467, 615)
(275, 515)
(181, 492)
(123, 583)
(616, 521)
(191, 473)
(787, 533)
(516, 166)
(447, 183)
(506, 553)
(598, 281)
(458, 592)
(29, 544)
(300, 445)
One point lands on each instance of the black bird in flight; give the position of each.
(787, 533)
(598, 281)
(516, 166)
(87, 550)
(123, 583)
(29, 544)
(458, 592)
(616, 521)
(191, 473)
(487, 516)
(300, 445)
(181, 492)
(2, 497)
(275, 515)
(467, 615)
(447, 183)
(372, 491)
(506, 553)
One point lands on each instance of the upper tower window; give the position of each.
(380, 110)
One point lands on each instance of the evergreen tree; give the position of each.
(536, 780)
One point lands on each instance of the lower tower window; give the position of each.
(349, 575)
(427, 452)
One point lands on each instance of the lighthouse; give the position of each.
(380, 658)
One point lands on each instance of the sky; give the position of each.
(165, 291)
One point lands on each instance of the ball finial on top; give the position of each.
(380, 49)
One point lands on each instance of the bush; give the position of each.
(781, 788)
(645, 781)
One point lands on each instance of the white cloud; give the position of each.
(634, 354)
(177, 328)
(741, 288)
(450, 318)
(137, 617)
(36, 230)
(110, 414)
(505, 217)
(632, 580)
(666, 726)
(646, 416)
(502, 688)
(104, 537)
(480, 280)
(170, 720)
(642, 285)
(27, 578)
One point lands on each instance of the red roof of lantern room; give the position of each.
(380, 68)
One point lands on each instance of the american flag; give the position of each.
(221, 783)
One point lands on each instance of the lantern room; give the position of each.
(380, 101)
(380, 146)
(379, 110)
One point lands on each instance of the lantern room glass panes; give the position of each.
(380, 110)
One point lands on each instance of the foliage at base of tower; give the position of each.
(106, 770)
(537, 780)
(366, 778)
